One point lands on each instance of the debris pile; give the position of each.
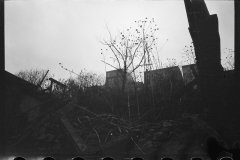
(63, 128)
(75, 131)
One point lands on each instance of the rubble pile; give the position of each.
(75, 131)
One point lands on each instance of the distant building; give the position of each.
(114, 79)
(162, 82)
(152, 77)
(182, 73)
(169, 79)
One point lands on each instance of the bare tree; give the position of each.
(89, 78)
(228, 62)
(36, 76)
(171, 62)
(189, 55)
(132, 48)
(86, 78)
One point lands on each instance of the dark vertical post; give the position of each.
(203, 29)
(40, 83)
(237, 42)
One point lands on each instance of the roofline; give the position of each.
(11, 79)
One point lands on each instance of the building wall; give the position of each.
(27, 103)
(163, 81)
(20, 96)
(19, 102)
(114, 79)
(152, 77)
(16, 102)
(183, 75)
(188, 74)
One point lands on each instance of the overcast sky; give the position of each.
(44, 33)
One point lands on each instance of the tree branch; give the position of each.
(138, 64)
(134, 53)
(109, 64)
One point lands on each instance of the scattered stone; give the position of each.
(149, 144)
(148, 135)
(157, 126)
(141, 139)
(92, 136)
(164, 129)
(160, 136)
(157, 144)
(167, 123)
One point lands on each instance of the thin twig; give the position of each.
(106, 100)
(109, 64)
(102, 118)
(98, 138)
(137, 145)
(81, 123)
(86, 139)
(108, 135)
